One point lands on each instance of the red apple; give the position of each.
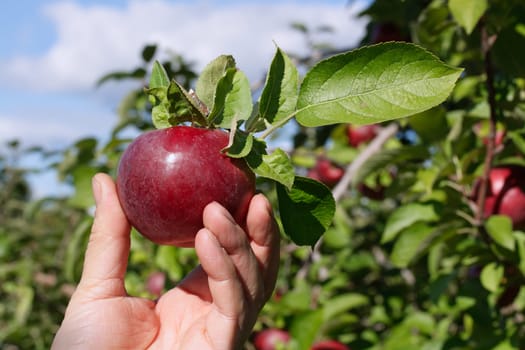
(506, 194)
(326, 171)
(360, 134)
(376, 193)
(329, 345)
(155, 283)
(270, 338)
(166, 177)
(383, 32)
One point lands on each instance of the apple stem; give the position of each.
(486, 45)
(277, 125)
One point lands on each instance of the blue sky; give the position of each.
(53, 51)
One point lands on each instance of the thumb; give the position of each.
(107, 252)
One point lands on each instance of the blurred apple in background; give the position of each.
(361, 134)
(506, 194)
(155, 283)
(326, 171)
(271, 339)
(329, 345)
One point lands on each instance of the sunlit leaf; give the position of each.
(279, 96)
(468, 12)
(233, 99)
(409, 243)
(374, 84)
(405, 216)
(491, 276)
(159, 77)
(499, 228)
(276, 166)
(305, 327)
(210, 76)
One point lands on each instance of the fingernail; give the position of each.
(267, 204)
(211, 237)
(223, 211)
(97, 189)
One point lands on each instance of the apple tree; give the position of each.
(401, 202)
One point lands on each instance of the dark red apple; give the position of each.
(387, 31)
(269, 339)
(506, 194)
(326, 171)
(329, 345)
(360, 134)
(166, 177)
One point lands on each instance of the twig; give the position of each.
(486, 45)
(372, 148)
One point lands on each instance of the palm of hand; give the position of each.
(181, 319)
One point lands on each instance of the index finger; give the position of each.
(265, 240)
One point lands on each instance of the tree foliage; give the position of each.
(411, 259)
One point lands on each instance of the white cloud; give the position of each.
(55, 128)
(94, 40)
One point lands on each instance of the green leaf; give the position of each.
(166, 259)
(374, 84)
(83, 197)
(422, 322)
(499, 227)
(173, 105)
(241, 146)
(138, 73)
(468, 12)
(306, 210)
(279, 96)
(409, 243)
(24, 305)
(74, 252)
(159, 77)
(491, 276)
(160, 116)
(148, 52)
(183, 106)
(342, 303)
(430, 125)
(297, 299)
(305, 327)
(276, 166)
(210, 76)
(405, 216)
(520, 243)
(233, 100)
(518, 140)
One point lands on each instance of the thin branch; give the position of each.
(486, 45)
(372, 148)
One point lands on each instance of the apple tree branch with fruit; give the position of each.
(365, 86)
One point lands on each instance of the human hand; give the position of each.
(214, 307)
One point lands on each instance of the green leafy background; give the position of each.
(411, 267)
